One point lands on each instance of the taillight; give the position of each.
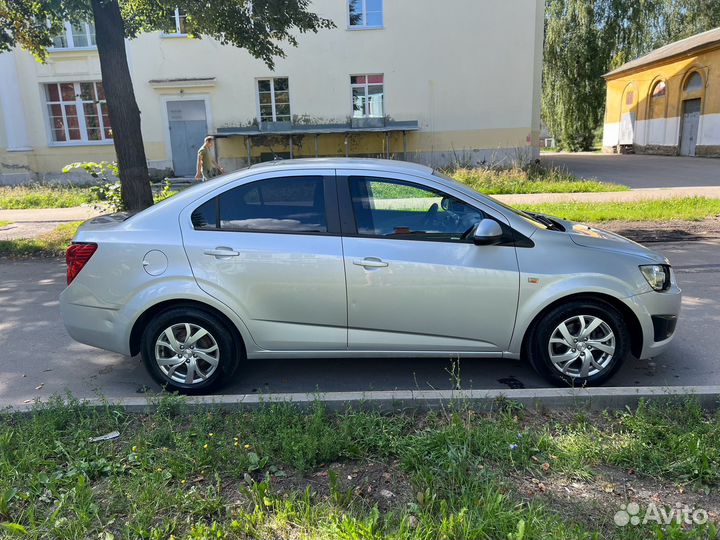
(77, 255)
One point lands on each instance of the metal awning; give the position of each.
(287, 129)
(316, 129)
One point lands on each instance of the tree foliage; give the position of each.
(261, 27)
(585, 39)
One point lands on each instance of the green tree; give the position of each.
(575, 59)
(684, 18)
(259, 26)
(585, 39)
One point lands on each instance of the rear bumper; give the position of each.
(95, 326)
(658, 314)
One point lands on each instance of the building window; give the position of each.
(367, 96)
(659, 90)
(694, 83)
(78, 112)
(657, 100)
(177, 25)
(274, 99)
(75, 36)
(365, 13)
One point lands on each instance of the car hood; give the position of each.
(587, 236)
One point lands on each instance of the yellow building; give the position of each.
(434, 82)
(668, 101)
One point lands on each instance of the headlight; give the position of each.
(657, 275)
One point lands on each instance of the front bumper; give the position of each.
(657, 313)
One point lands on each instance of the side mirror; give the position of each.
(487, 233)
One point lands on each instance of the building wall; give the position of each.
(657, 128)
(469, 74)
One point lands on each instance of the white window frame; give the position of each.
(363, 11)
(272, 99)
(178, 33)
(69, 38)
(80, 108)
(366, 85)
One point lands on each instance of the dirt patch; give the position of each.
(369, 482)
(664, 231)
(609, 491)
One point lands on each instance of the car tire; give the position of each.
(561, 340)
(189, 350)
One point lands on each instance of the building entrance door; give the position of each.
(188, 127)
(690, 123)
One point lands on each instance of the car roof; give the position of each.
(343, 163)
(201, 189)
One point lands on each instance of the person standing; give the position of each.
(207, 167)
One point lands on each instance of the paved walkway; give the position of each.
(32, 223)
(53, 216)
(39, 215)
(639, 171)
(612, 196)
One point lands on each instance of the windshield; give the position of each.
(524, 215)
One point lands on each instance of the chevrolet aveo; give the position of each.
(360, 258)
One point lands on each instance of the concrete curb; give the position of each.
(535, 398)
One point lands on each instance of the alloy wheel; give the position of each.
(581, 346)
(187, 353)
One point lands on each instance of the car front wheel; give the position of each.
(580, 343)
(189, 350)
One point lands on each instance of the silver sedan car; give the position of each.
(360, 258)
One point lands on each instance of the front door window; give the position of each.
(398, 209)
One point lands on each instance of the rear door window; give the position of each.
(293, 204)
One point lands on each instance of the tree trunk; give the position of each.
(122, 107)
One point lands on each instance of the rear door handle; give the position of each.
(222, 251)
(370, 262)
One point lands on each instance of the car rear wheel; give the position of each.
(189, 350)
(580, 343)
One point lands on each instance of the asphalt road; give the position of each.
(39, 359)
(640, 171)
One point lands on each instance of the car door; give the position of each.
(414, 282)
(270, 249)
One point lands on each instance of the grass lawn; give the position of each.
(688, 208)
(37, 196)
(52, 244)
(280, 473)
(4, 223)
(534, 180)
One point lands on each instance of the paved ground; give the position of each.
(638, 171)
(40, 359)
(32, 223)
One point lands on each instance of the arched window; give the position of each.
(658, 97)
(659, 90)
(694, 83)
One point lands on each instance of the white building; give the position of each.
(439, 82)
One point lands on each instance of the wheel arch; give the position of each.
(152, 311)
(634, 326)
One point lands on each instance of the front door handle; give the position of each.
(370, 262)
(221, 252)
